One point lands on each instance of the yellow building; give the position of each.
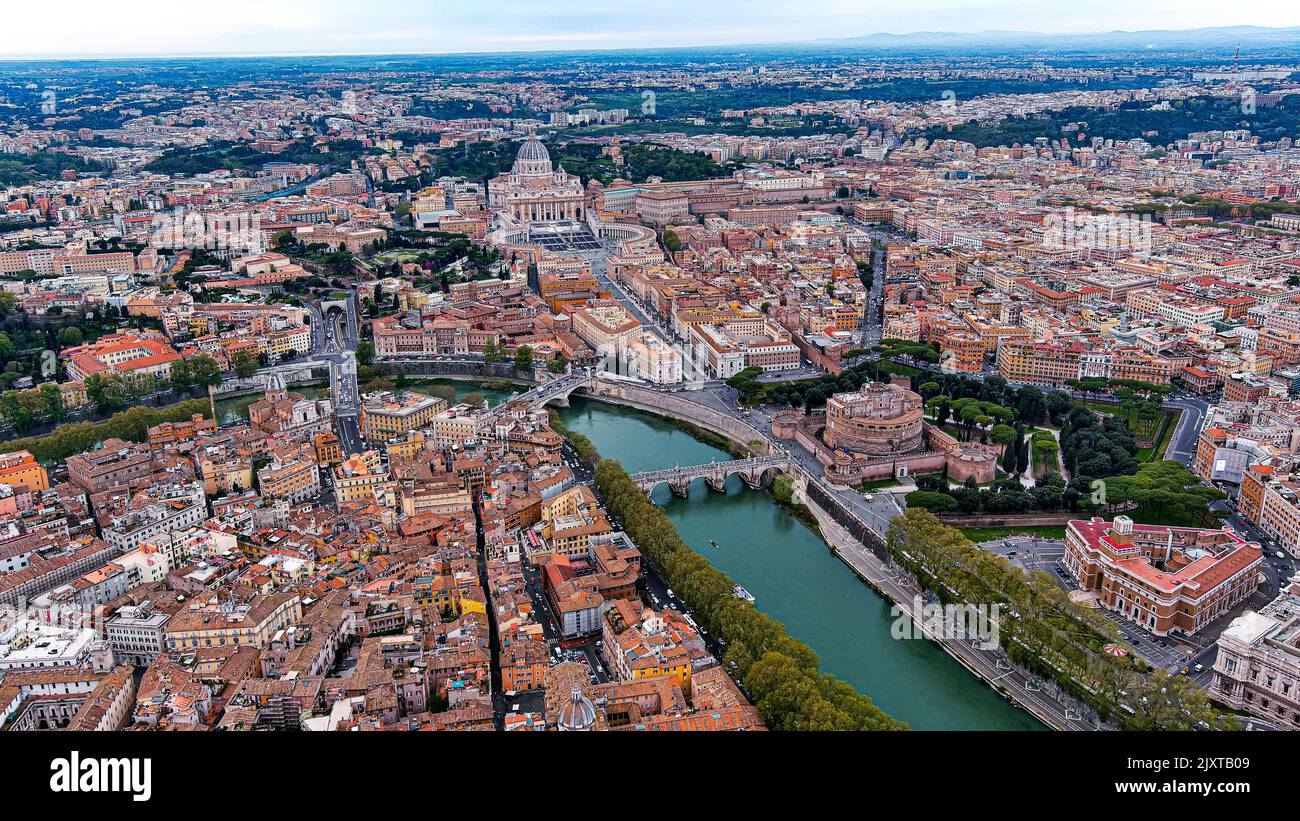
(406, 449)
(328, 449)
(387, 415)
(570, 519)
(357, 476)
(295, 477)
(279, 343)
(642, 643)
(445, 493)
(21, 468)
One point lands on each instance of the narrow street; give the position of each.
(494, 640)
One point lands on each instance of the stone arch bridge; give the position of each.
(752, 472)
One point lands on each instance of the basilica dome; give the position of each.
(533, 160)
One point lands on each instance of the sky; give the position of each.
(100, 28)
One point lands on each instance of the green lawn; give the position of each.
(1157, 453)
(986, 534)
(878, 484)
(1142, 429)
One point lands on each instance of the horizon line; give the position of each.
(104, 57)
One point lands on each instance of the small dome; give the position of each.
(578, 714)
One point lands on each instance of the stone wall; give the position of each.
(457, 369)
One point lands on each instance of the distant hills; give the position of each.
(1220, 39)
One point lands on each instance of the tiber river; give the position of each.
(795, 578)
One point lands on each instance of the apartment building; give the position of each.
(640, 642)
(293, 475)
(133, 356)
(1039, 363)
(153, 522)
(1270, 500)
(137, 633)
(1257, 669)
(605, 326)
(116, 462)
(648, 357)
(227, 623)
(358, 475)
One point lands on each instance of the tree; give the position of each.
(491, 352)
(53, 405)
(1160, 701)
(205, 371)
(244, 363)
(444, 392)
(524, 358)
(932, 501)
(1167, 492)
(16, 411)
(1003, 435)
(181, 377)
(1032, 405)
(365, 353)
(106, 392)
(70, 336)
(813, 398)
(559, 364)
(672, 242)
(1046, 497)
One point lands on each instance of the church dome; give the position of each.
(533, 160)
(577, 714)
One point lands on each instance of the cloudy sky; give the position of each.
(93, 28)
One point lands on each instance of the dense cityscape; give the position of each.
(654, 390)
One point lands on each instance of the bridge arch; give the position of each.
(762, 477)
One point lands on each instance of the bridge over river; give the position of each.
(714, 474)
